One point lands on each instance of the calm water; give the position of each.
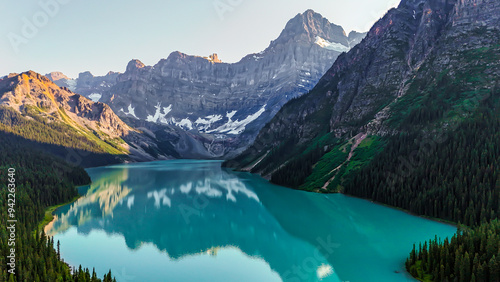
(194, 221)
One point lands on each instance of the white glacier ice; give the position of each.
(238, 126)
(159, 117)
(331, 45)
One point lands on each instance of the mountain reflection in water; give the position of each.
(191, 209)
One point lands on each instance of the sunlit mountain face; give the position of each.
(195, 221)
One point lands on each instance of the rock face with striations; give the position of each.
(227, 103)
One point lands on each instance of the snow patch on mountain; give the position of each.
(238, 126)
(131, 111)
(72, 85)
(231, 114)
(204, 124)
(159, 116)
(184, 123)
(330, 45)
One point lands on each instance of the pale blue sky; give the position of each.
(100, 36)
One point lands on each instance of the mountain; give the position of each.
(53, 117)
(225, 103)
(355, 37)
(56, 75)
(424, 73)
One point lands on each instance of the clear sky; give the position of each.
(73, 36)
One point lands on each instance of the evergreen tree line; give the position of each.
(40, 182)
(470, 255)
(301, 167)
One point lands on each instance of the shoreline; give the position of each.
(440, 220)
(152, 161)
(444, 221)
(49, 212)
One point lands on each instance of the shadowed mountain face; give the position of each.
(228, 103)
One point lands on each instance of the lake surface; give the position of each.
(195, 221)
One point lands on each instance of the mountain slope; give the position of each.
(34, 95)
(416, 70)
(226, 103)
(33, 107)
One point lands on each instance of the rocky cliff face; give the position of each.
(373, 87)
(224, 101)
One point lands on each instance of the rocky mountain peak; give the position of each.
(56, 75)
(134, 65)
(214, 58)
(226, 102)
(85, 75)
(34, 76)
(308, 26)
(175, 56)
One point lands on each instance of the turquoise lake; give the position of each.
(195, 221)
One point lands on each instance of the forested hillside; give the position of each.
(40, 181)
(454, 175)
(56, 138)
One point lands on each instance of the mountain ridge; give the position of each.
(200, 95)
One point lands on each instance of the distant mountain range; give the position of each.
(225, 104)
